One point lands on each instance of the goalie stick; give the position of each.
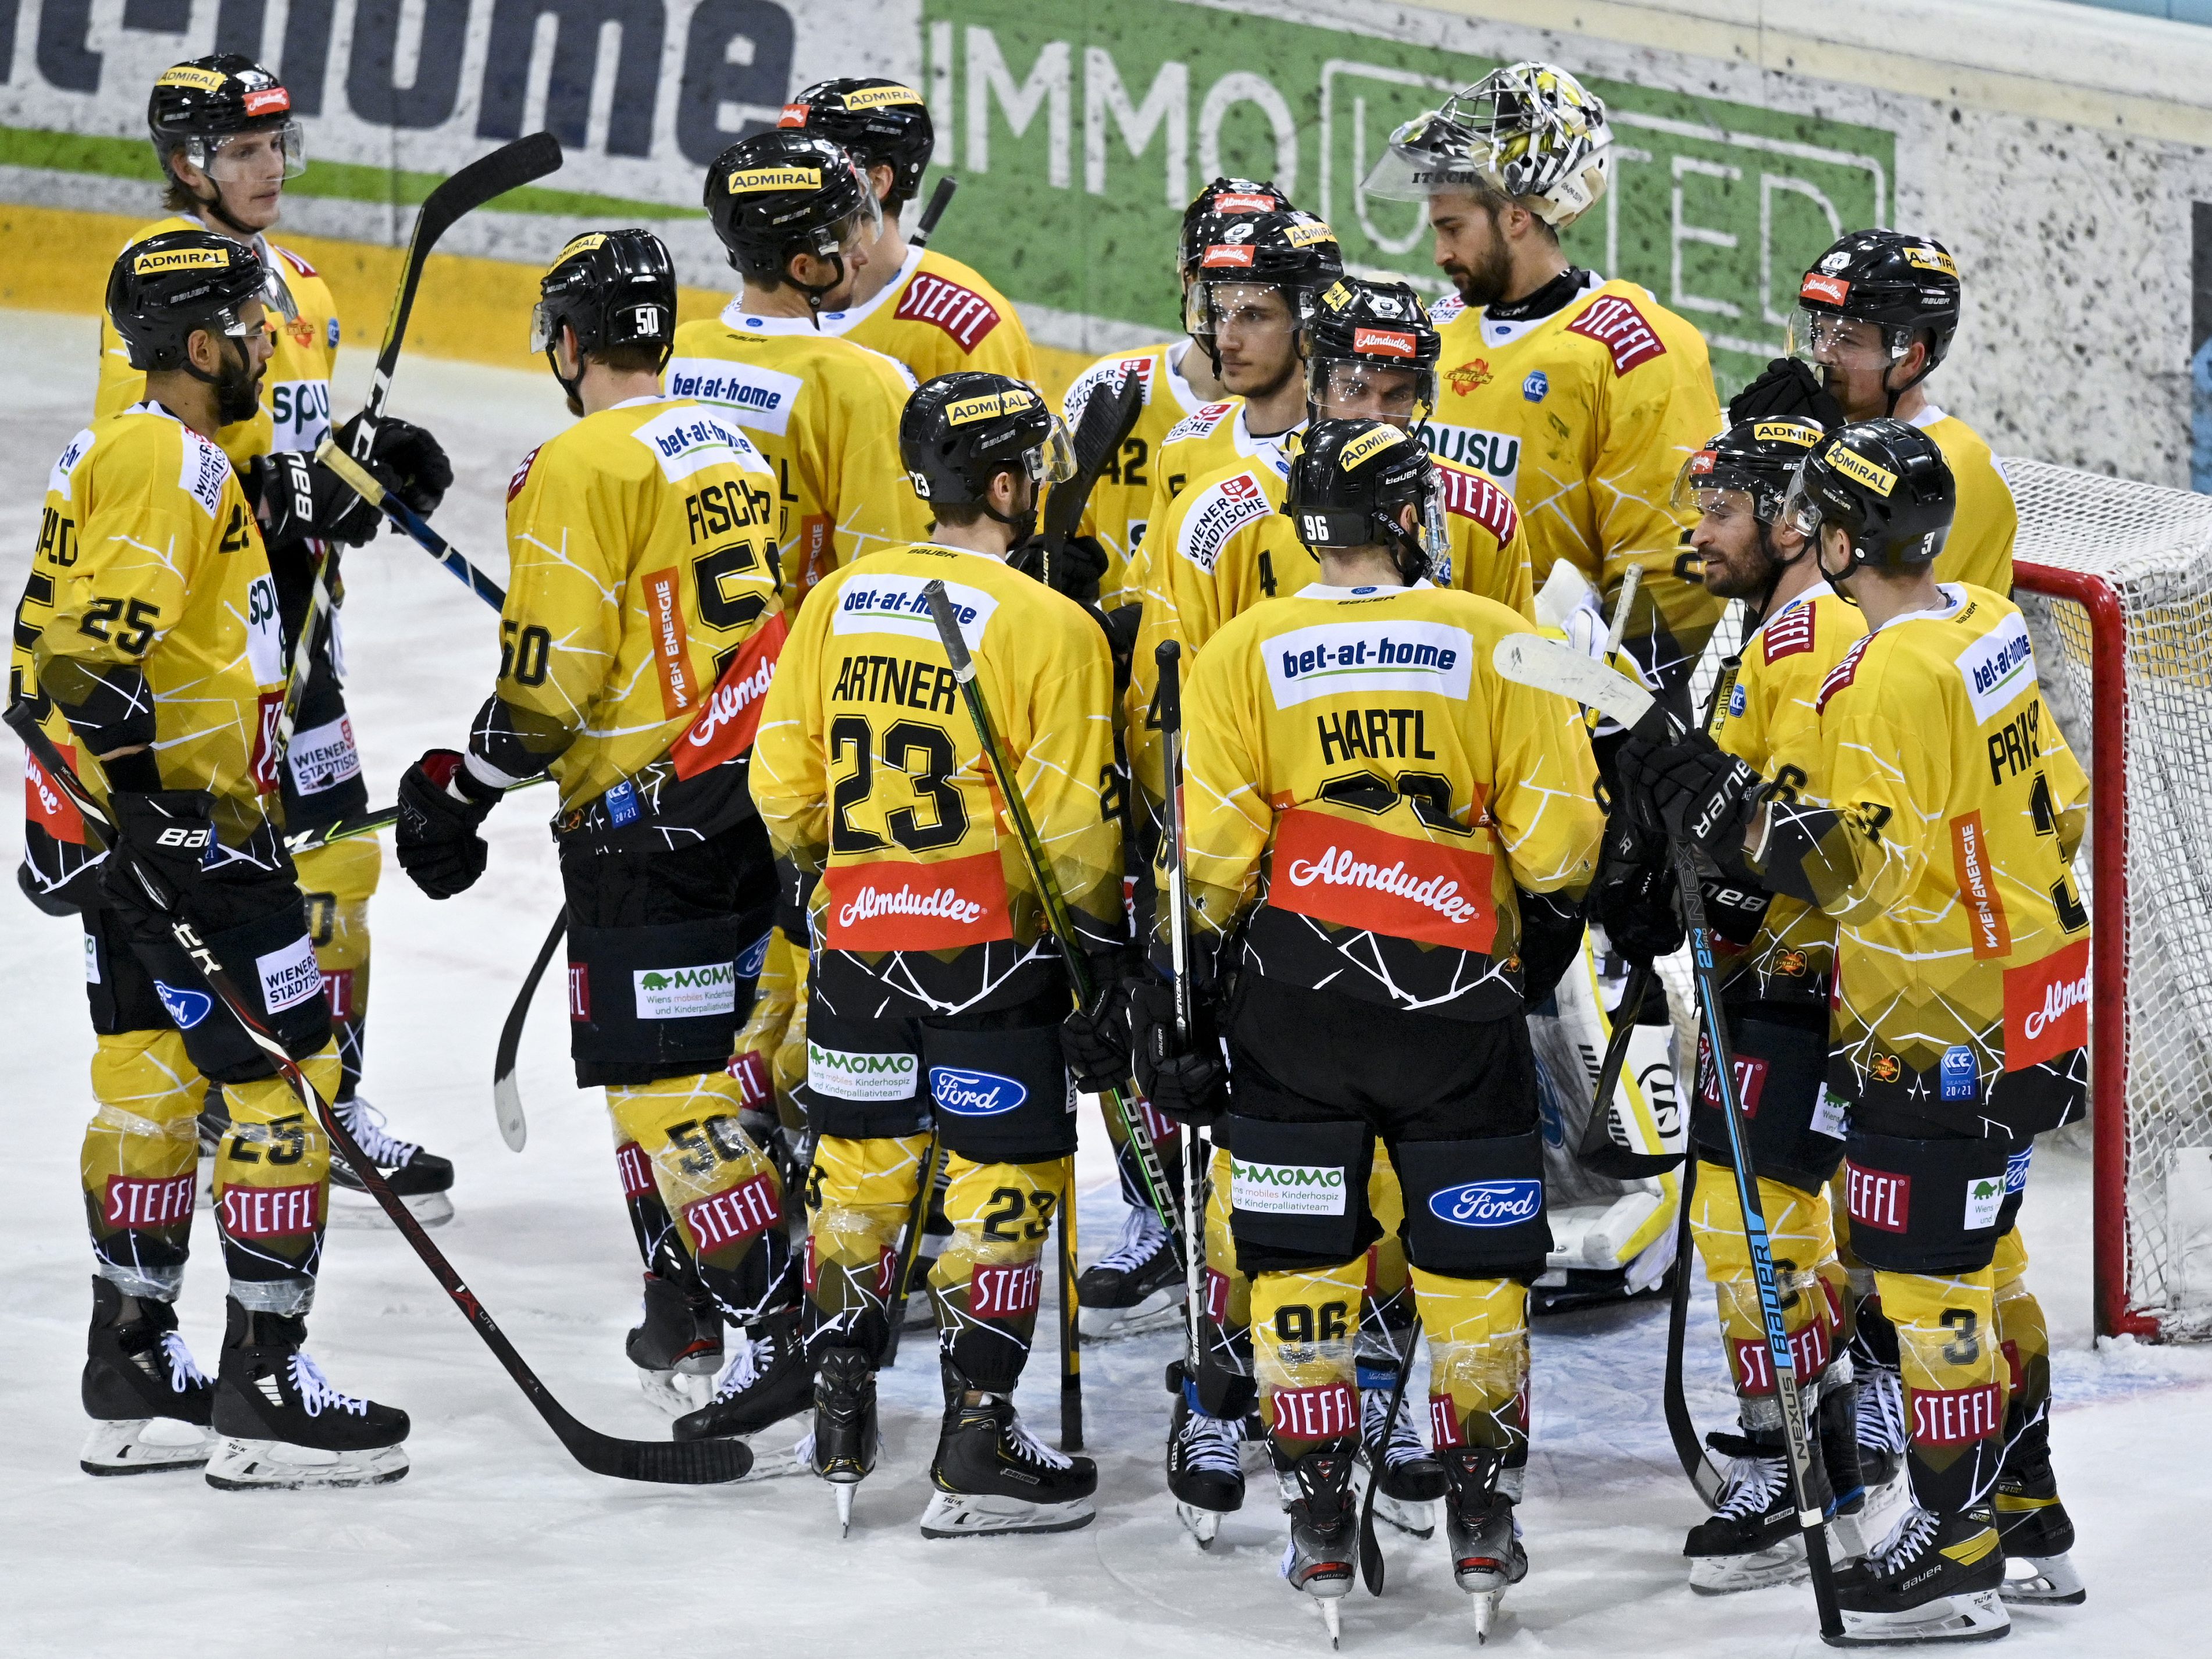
(693, 1463)
(1550, 666)
(1106, 423)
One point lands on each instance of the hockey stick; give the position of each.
(1168, 657)
(917, 1218)
(505, 1095)
(1705, 1475)
(1049, 897)
(1552, 666)
(1097, 439)
(1370, 1548)
(417, 527)
(356, 824)
(1071, 1334)
(940, 199)
(692, 1463)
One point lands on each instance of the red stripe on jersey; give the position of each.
(1841, 675)
(726, 728)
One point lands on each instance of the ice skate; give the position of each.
(1752, 1538)
(993, 1475)
(1935, 1578)
(1322, 1556)
(679, 1339)
(150, 1403)
(1487, 1557)
(843, 1447)
(1136, 1287)
(1881, 1429)
(2035, 1531)
(284, 1425)
(1412, 1478)
(1205, 1473)
(422, 1180)
(767, 1381)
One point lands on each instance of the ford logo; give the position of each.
(1489, 1203)
(755, 958)
(973, 1094)
(186, 1008)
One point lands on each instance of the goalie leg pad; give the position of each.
(1475, 1208)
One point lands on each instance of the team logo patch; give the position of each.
(185, 1008)
(1737, 703)
(1354, 875)
(1286, 1188)
(1333, 658)
(1886, 1068)
(894, 906)
(973, 1094)
(685, 993)
(1997, 667)
(289, 976)
(962, 312)
(1489, 1203)
(1468, 376)
(1829, 290)
(2046, 1007)
(1614, 323)
(1537, 387)
(846, 1074)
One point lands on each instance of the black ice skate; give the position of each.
(1321, 1557)
(843, 1447)
(2034, 1529)
(421, 1179)
(284, 1425)
(1882, 1433)
(768, 1380)
(1412, 1479)
(1934, 1579)
(1487, 1557)
(1205, 1473)
(1752, 1538)
(679, 1338)
(148, 1403)
(1135, 1287)
(992, 1475)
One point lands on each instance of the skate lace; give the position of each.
(1021, 1440)
(1753, 1485)
(1210, 1444)
(365, 1125)
(1879, 1418)
(1141, 1239)
(185, 1373)
(1404, 1438)
(1911, 1537)
(315, 1392)
(748, 1364)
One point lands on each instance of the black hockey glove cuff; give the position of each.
(1095, 1039)
(170, 833)
(1789, 390)
(439, 808)
(408, 458)
(298, 500)
(1189, 1083)
(1633, 897)
(1699, 792)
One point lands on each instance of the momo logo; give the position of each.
(758, 398)
(1984, 1198)
(973, 1094)
(184, 1008)
(2046, 1007)
(1997, 667)
(846, 1074)
(1286, 1188)
(686, 992)
(1489, 1203)
(289, 976)
(1331, 659)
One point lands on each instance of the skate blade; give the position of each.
(2051, 1582)
(276, 1465)
(1980, 1617)
(1162, 1311)
(1203, 1525)
(1332, 1614)
(143, 1445)
(1724, 1575)
(982, 1515)
(351, 1208)
(1482, 1605)
(844, 1490)
(1418, 1520)
(679, 1393)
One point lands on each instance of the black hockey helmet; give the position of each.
(876, 120)
(163, 290)
(961, 430)
(1350, 482)
(615, 287)
(780, 193)
(1758, 458)
(1288, 249)
(1226, 200)
(1361, 325)
(1885, 484)
(195, 106)
(1905, 285)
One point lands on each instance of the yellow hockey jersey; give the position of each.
(868, 771)
(1362, 781)
(1955, 807)
(1978, 550)
(151, 584)
(1226, 544)
(824, 412)
(642, 620)
(1585, 416)
(1762, 711)
(937, 315)
(295, 390)
(1116, 513)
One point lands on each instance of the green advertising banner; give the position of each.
(1717, 207)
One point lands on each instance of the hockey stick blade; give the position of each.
(1705, 1476)
(1371, 1568)
(1555, 665)
(505, 1095)
(940, 199)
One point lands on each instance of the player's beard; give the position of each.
(1484, 281)
(237, 388)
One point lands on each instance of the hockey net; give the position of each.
(2117, 580)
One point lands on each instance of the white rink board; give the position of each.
(496, 1544)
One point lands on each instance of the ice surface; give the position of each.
(497, 1543)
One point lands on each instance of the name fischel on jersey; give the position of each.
(897, 604)
(1330, 658)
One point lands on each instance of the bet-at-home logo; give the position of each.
(686, 992)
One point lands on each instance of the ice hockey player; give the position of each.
(937, 995)
(1876, 314)
(1582, 397)
(642, 626)
(227, 140)
(1777, 961)
(923, 307)
(1942, 808)
(1375, 894)
(148, 643)
(1178, 381)
(798, 219)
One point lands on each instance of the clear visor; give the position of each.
(1367, 388)
(859, 228)
(545, 323)
(1427, 157)
(240, 158)
(1051, 461)
(1210, 307)
(1800, 512)
(1826, 340)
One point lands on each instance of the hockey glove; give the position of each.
(1633, 897)
(1190, 1084)
(1094, 1040)
(1075, 570)
(411, 462)
(1789, 390)
(1697, 790)
(298, 500)
(170, 833)
(440, 807)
